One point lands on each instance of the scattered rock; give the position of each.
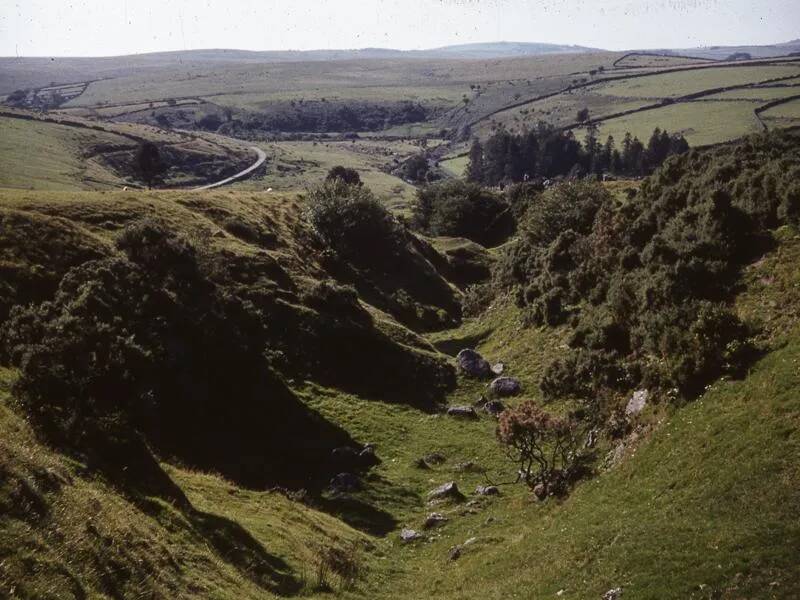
(498, 368)
(636, 403)
(367, 455)
(613, 594)
(421, 464)
(487, 490)
(469, 467)
(462, 412)
(505, 386)
(409, 535)
(591, 438)
(469, 542)
(455, 553)
(345, 482)
(540, 491)
(473, 364)
(435, 458)
(434, 520)
(446, 490)
(494, 408)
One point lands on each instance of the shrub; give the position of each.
(543, 447)
(460, 209)
(347, 175)
(351, 221)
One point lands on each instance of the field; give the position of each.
(702, 123)
(787, 114)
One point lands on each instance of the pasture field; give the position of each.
(682, 83)
(762, 93)
(651, 61)
(45, 156)
(787, 114)
(700, 122)
(455, 166)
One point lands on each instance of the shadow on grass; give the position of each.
(453, 346)
(357, 513)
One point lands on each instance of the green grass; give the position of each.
(38, 155)
(790, 111)
(455, 166)
(672, 85)
(757, 93)
(700, 122)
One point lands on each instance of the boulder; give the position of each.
(505, 386)
(434, 520)
(613, 594)
(409, 535)
(446, 491)
(540, 491)
(367, 456)
(494, 407)
(345, 482)
(473, 364)
(462, 412)
(455, 553)
(421, 464)
(487, 490)
(498, 368)
(636, 403)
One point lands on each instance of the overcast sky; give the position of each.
(111, 27)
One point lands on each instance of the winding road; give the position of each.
(262, 156)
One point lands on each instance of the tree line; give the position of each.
(548, 152)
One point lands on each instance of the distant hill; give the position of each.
(723, 52)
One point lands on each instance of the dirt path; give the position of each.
(262, 156)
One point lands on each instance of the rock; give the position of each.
(636, 403)
(540, 491)
(462, 412)
(591, 439)
(473, 364)
(421, 464)
(505, 386)
(469, 542)
(455, 553)
(498, 368)
(613, 594)
(480, 402)
(469, 467)
(435, 458)
(487, 490)
(367, 456)
(494, 408)
(345, 482)
(409, 535)
(445, 491)
(434, 520)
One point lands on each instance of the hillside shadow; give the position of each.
(453, 346)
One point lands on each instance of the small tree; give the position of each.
(148, 163)
(347, 175)
(541, 445)
(583, 115)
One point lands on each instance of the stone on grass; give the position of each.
(636, 403)
(421, 464)
(494, 408)
(613, 594)
(462, 412)
(498, 368)
(487, 490)
(540, 491)
(434, 520)
(505, 386)
(455, 553)
(409, 535)
(445, 491)
(473, 364)
(435, 458)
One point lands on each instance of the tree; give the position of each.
(583, 115)
(148, 163)
(347, 175)
(415, 169)
(475, 172)
(542, 446)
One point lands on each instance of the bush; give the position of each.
(543, 447)
(348, 176)
(647, 284)
(460, 209)
(351, 221)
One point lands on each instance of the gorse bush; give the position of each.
(352, 222)
(645, 283)
(459, 209)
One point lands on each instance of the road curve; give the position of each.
(262, 156)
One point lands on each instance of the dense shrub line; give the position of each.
(645, 282)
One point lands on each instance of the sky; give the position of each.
(115, 27)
